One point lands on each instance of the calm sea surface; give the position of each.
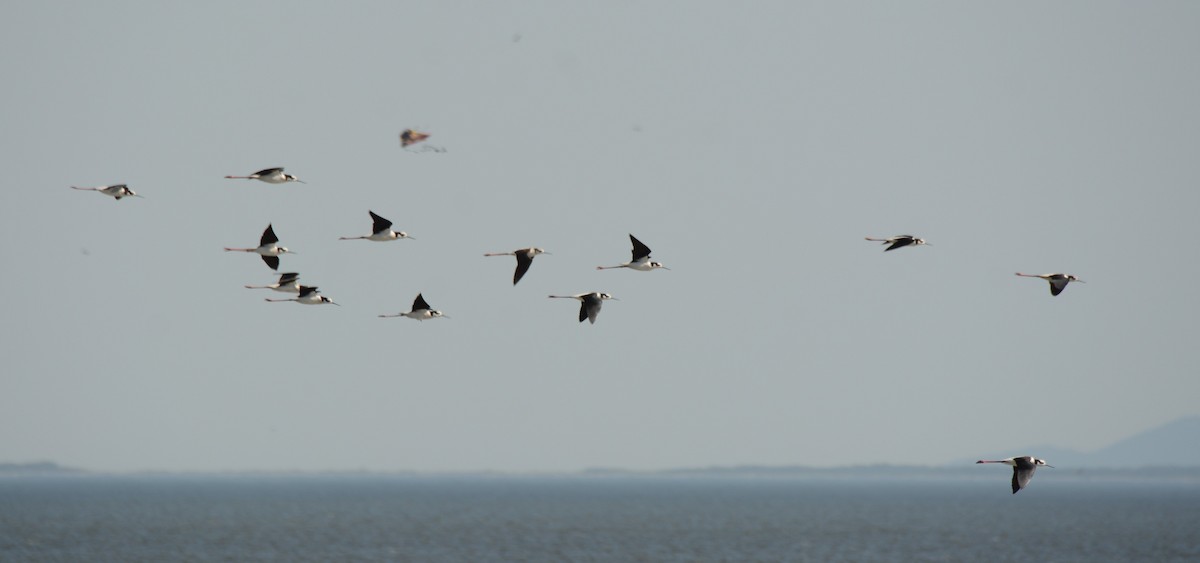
(400, 518)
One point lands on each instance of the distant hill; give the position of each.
(36, 468)
(1175, 444)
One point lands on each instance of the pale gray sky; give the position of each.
(752, 147)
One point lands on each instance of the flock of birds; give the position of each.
(590, 303)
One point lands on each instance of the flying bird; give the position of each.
(1058, 282)
(288, 283)
(115, 191)
(641, 259)
(412, 136)
(899, 241)
(420, 311)
(590, 303)
(267, 248)
(1023, 468)
(308, 296)
(381, 230)
(270, 176)
(524, 259)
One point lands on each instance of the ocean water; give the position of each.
(587, 518)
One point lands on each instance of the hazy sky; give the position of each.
(751, 146)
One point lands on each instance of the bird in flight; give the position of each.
(268, 248)
(899, 241)
(115, 191)
(641, 259)
(381, 230)
(308, 296)
(589, 304)
(270, 176)
(524, 259)
(1023, 468)
(1058, 282)
(420, 311)
(412, 136)
(288, 283)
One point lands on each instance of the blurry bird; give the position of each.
(308, 296)
(420, 311)
(288, 283)
(590, 304)
(267, 248)
(1023, 468)
(270, 176)
(898, 241)
(412, 136)
(381, 230)
(1058, 282)
(116, 191)
(524, 259)
(641, 259)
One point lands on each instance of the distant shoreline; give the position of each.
(865, 472)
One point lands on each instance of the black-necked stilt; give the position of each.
(308, 296)
(1058, 282)
(288, 283)
(412, 136)
(270, 176)
(899, 241)
(420, 311)
(267, 248)
(115, 191)
(1023, 468)
(590, 303)
(641, 259)
(381, 230)
(524, 259)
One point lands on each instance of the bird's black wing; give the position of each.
(639, 250)
(288, 277)
(305, 290)
(419, 303)
(590, 309)
(268, 237)
(381, 224)
(523, 262)
(272, 261)
(1023, 468)
(1057, 286)
(1021, 477)
(900, 241)
(267, 172)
